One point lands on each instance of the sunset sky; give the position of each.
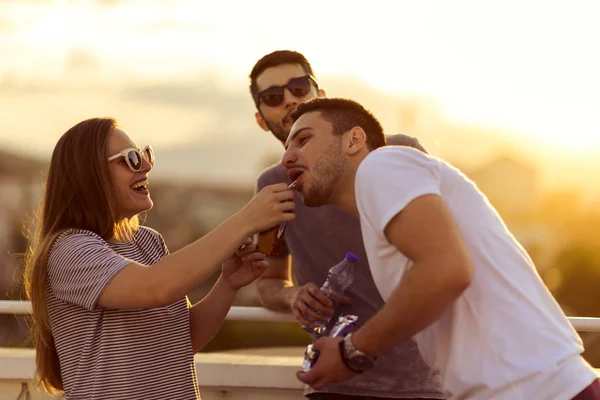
(175, 72)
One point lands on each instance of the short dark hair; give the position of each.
(345, 114)
(274, 59)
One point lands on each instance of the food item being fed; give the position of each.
(270, 241)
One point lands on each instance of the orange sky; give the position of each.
(521, 68)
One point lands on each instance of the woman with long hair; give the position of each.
(111, 316)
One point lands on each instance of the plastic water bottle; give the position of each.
(340, 276)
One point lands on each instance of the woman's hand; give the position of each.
(244, 266)
(271, 206)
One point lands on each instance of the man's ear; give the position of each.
(356, 140)
(261, 122)
(321, 93)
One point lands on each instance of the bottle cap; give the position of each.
(350, 256)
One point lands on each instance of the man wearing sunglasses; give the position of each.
(318, 239)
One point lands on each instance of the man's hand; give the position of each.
(329, 367)
(309, 302)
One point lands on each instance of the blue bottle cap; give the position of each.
(350, 256)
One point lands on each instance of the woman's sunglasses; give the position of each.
(133, 157)
(298, 87)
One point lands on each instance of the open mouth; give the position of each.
(140, 187)
(295, 176)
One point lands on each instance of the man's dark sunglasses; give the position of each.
(298, 87)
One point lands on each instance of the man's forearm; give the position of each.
(207, 316)
(276, 294)
(420, 299)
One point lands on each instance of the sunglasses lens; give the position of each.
(299, 92)
(134, 160)
(149, 155)
(272, 99)
(299, 87)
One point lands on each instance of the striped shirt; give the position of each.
(110, 353)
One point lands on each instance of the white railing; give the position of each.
(581, 324)
(221, 375)
(235, 313)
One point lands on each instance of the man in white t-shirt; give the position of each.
(451, 274)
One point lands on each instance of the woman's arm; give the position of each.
(171, 278)
(207, 316)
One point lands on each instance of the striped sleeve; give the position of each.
(164, 250)
(80, 266)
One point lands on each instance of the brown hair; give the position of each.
(78, 194)
(345, 114)
(274, 59)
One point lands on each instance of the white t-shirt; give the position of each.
(505, 337)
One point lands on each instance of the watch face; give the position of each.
(361, 362)
(356, 359)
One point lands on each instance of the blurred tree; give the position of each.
(579, 268)
(578, 291)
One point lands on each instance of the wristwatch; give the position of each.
(355, 360)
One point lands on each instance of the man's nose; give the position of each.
(289, 158)
(289, 100)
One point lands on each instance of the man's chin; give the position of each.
(282, 136)
(286, 126)
(311, 201)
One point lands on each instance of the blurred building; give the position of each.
(511, 185)
(20, 190)
(513, 188)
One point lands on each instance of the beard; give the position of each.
(326, 174)
(280, 129)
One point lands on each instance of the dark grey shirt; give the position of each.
(319, 238)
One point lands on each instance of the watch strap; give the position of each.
(345, 358)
